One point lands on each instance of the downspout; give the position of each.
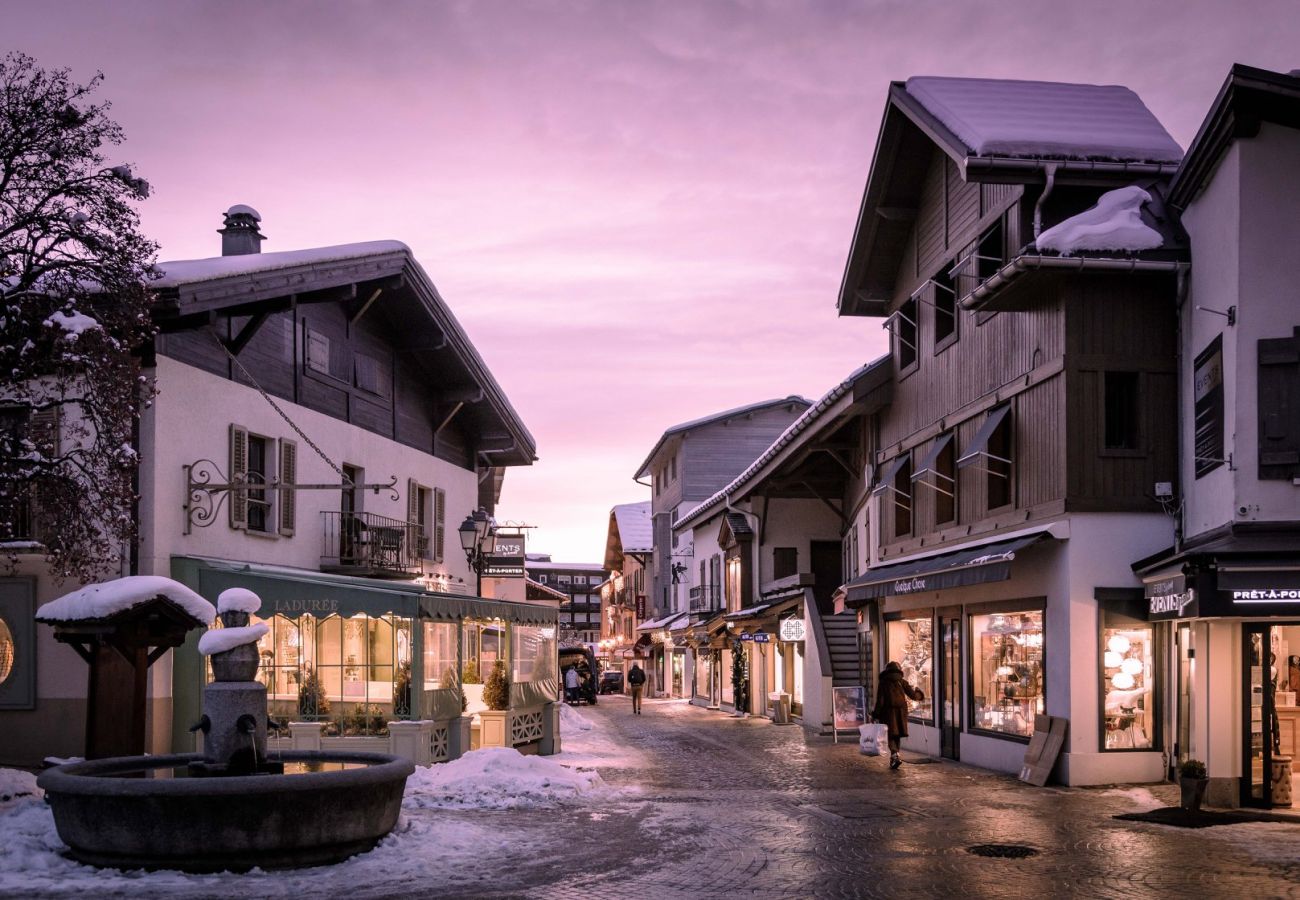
(1042, 198)
(1183, 274)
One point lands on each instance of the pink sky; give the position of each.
(639, 211)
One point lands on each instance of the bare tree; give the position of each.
(74, 311)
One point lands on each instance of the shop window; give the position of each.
(1121, 412)
(910, 643)
(1127, 673)
(905, 334)
(17, 643)
(533, 653)
(1007, 686)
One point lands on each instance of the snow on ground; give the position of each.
(1141, 797)
(451, 834)
(572, 721)
(1265, 841)
(1115, 223)
(99, 601)
(219, 640)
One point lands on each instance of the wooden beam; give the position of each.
(833, 508)
(446, 420)
(833, 454)
(240, 341)
(466, 394)
(356, 317)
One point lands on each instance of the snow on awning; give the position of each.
(663, 622)
(1114, 223)
(1040, 119)
(95, 602)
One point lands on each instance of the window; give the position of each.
(421, 501)
(905, 334)
(318, 352)
(1121, 410)
(903, 498)
(1208, 387)
(532, 653)
(785, 562)
(944, 292)
(565, 579)
(371, 375)
(543, 579)
(672, 469)
(17, 643)
(945, 470)
(1279, 407)
(910, 643)
(258, 498)
(733, 584)
(1007, 672)
(990, 253)
(1127, 682)
(999, 461)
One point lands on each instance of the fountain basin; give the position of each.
(110, 813)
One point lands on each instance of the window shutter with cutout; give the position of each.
(238, 472)
(288, 476)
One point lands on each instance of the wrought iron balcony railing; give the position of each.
(358, 543)
(706, 598)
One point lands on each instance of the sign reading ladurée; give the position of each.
(792, 629)
(313, 605)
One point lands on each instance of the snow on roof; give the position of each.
(995, 117)
(726, 414)
(186, 271)
(99, 601)
(548, 566)
(635, 531)
(1115, 223)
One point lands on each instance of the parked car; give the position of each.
(611, 682)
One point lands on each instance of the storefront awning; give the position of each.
(298, 592)
(763, 613)
(978, 564)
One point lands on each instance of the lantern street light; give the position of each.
(478, 538)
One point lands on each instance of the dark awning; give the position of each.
(927, 462)
(888, 473)
(980, 564)
(979, 446)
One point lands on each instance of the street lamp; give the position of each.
(478, 539)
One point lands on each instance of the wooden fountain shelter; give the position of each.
(119, 649)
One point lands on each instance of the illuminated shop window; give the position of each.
(1128, 670)
(1007, 678)
(533, 653)
(911, 645)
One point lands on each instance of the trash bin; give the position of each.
(780, 707)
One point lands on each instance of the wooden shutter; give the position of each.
(288, 499)
(412, 500)
(439, 522)
(238, 471)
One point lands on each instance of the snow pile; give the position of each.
(15, 785)
(497, 778)
(187, 271)
(1115, 223)
(572, 720)
(99, 601)
(219, 640)
(238, 600)
(995, 117)
(1140, 797)
(72, 322)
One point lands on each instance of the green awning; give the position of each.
(298, 592)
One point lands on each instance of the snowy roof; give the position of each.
(101, 601)
(1114, 223)
(995, 117)
(635, 531)
(188, 271)
(548, 566)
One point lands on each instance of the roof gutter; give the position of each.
(1008, 273)
(977, 164)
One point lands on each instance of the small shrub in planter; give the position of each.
(1192, 780)
(472, 675)
(312, 702)
(496, 693)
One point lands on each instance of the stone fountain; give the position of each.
(229, 807)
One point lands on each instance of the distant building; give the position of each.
(580, 584)
(629, 555)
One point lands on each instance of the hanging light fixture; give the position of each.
(1123, 681)
(1132, 666)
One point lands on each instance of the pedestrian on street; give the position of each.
(891, 707)
(636, 680)
(571, 684)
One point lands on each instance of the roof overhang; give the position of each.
(1026, 279)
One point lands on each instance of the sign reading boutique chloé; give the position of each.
(1171, 598)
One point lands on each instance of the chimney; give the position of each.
(239, 234)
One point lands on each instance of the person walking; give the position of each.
(571, 684)
(636, 681)
(891, 707)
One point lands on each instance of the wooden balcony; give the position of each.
(358, 543)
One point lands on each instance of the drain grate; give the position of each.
(1002, 851)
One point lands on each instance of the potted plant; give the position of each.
(1192, 779)
(312, 702)
(495, 720)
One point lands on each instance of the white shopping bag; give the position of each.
(872, 739)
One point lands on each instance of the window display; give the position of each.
(911, 645)
(703, 672)
(1007, 677)
(1128, 670)
(533, 653)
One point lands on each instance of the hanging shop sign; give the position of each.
(640, 607)
(792, 629)
(1253, 592)
(507, 559)
(1171, 598)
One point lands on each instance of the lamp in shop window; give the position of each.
(1118, 644)
(1123, 680)
(1112, 659)
(1131, 666)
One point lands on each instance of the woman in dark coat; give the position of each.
(891, 707)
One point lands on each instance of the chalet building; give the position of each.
(687, 465)
(321, 428)
(579, 583)
(1016, 240)
(629, 555)
(1223, 601)
(772, 547)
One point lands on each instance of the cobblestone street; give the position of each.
(742, 807)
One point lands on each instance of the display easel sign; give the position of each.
(1044, 747)
(849, 708)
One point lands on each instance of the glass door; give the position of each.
(950, 685)
(1258, 742)
(1183, 704)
